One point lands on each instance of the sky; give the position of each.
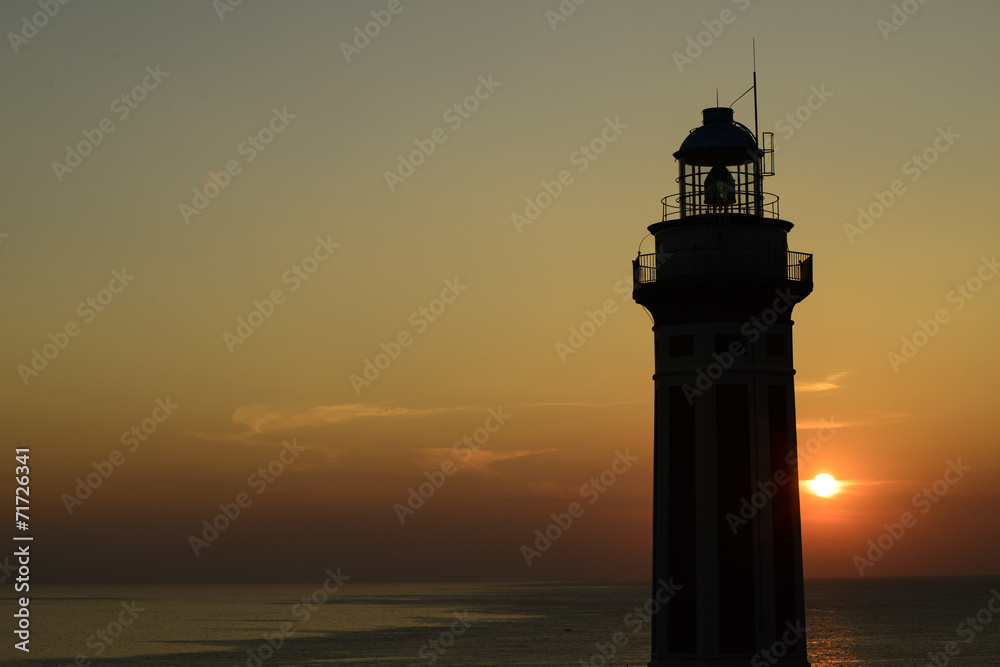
(325, 289)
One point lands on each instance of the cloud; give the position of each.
(481, 459)
(826, 384)
(267, 417)
(584, 404)
(264, 417)
(875, 418)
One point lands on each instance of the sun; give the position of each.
(824, 485)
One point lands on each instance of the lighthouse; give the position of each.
(720, 286)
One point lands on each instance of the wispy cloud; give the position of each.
(831, 381)
(872, 419)
(480, 459)
(584, 404)
(267, 417)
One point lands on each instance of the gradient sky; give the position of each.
(889, 96)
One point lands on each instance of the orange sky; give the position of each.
(223, 333)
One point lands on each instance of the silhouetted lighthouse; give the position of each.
(721, 287)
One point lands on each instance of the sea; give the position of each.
(911, 622)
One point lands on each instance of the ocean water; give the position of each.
(870, 622)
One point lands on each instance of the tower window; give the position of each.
(777, 345)
(724, 343)
(680, 346)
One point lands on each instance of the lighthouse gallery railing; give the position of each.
(794, 266)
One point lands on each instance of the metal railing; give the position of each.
(694, 203)
(793, 266)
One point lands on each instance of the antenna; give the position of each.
(756, 129)
(716, 97)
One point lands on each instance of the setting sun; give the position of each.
(824, 485)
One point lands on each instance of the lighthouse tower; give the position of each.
(721, 286)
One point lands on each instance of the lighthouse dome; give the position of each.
(719, 141)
